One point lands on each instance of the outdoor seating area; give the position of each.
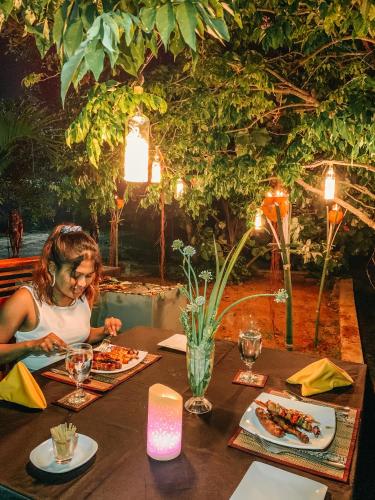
(187, 250)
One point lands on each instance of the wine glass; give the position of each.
(78, 362)
(250, 346)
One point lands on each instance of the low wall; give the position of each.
(351, 348)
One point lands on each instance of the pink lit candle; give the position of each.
(164, 423)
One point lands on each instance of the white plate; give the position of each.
(128, 366)
(42, 456)
(264, 482)
(323, 414)
(177, 342)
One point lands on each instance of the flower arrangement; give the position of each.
(200, 318)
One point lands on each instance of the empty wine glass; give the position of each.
(78, 364)
(250, 346)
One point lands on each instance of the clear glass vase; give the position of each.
(200, 362)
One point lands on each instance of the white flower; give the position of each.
(192, 307)
(206, 275)
(189, 251)
(177, 245)
(281, 295)
(200, 300)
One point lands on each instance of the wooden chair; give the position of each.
(14, 273)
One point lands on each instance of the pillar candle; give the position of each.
(164, 423)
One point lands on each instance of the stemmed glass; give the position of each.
(78, 363)
(250, 346)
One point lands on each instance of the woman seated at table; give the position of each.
(55, 311)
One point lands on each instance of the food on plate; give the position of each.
(123, 354)
(290, 429)
(103, 362)
(267, 422)
(113, 359)
(294, 417)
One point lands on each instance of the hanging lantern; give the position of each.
(335, 215)
(156, 170)
(136, 146)
(119, 202)
(180, 187)
(258, 220)
(329, 184)
(268, 206)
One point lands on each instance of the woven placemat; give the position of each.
(342, 445)
(102, 382)
(65, 403)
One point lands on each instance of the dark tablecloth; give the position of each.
(207, 467)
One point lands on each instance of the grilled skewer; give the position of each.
(291, 416)
(288, 428)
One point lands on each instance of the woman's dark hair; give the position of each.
(67, 244)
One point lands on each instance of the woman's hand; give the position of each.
(111, 326)
(47, 344)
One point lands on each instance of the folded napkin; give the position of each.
(320, 376)
(20, 387)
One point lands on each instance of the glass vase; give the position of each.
(199, 361)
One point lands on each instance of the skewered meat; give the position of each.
(292, 416)
(267, 422)
(287, 427)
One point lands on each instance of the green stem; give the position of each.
(287, 282)
(322, 283)
(248, 297)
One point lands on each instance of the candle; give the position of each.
(164, 423)
(329, 185)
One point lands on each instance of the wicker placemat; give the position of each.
(102, 382)
(66, 403)
(342, 445)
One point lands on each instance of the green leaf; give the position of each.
(6, 6)
(177, 44)
(127, 24)
(148, 17)
(186, 15)
(165, 22)
(137, 50)
(69, 71)
(94, 58)
(73, 37)
(58, 25)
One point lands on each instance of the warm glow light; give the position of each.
(179, 188)
(269, 194)
(329, 184)
(156, 170)
(258, 220)
(164, 423)
(136, 149)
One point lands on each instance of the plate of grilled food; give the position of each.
(116, 359)
(290, 423)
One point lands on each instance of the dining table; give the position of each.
(207, 467)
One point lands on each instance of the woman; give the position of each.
(55, 311)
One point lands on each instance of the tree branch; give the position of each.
(297, 91)
(319, 163)
(330, 44)
(361, 189)
(359, 201)
(274, 110)
(355, 211)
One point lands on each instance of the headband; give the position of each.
(70, 229)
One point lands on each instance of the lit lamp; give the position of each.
(156, 169)
(179, 188)
(136, 146)
(258, 220)
(329, 184)
(164, 423)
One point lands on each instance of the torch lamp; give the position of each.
(136, 146)
(329, 184)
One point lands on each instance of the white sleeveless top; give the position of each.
(70, 323)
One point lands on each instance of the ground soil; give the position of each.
(270, 317)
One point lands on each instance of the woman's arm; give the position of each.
(16, 312)
(111, 327)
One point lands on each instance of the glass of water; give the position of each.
(250, 347)
(78, 363)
